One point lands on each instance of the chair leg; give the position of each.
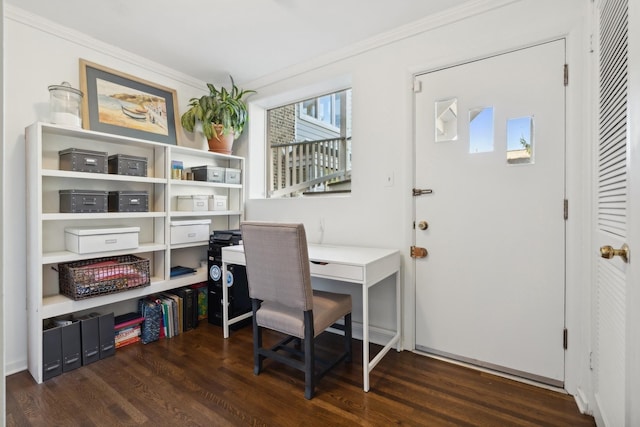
(309, 356)
(257, 340)
(348, 344)
(257, 345)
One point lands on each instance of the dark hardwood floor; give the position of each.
(200, 379)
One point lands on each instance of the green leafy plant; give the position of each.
(221, 107)
(525, 145)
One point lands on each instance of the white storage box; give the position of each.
(193, 203)
(190, 231)
(217, 203)
(85, 240)
(208, 173)
(232, 176)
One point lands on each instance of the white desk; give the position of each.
(365, 266)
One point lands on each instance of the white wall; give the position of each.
(381, 77)
(38, 54)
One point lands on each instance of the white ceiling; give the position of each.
(249, 39)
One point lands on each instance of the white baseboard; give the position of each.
(15, 367)
(582, 402)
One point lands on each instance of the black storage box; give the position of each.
(106, 324)
(61, 348)
(51, 352)
(122, 164)
(208, 173)
(77, 160)
(71, 346)
(90, 339)
(128, 201)
(98, 337)
(83, 201)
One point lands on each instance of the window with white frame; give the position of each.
(309, 146)
(323, 109)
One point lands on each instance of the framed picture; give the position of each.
(121, 104)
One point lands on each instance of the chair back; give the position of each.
(278, 263)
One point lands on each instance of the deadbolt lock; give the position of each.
(418, 252)
(423, 225)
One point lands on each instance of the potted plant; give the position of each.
(222, 113)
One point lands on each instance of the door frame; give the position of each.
(578, 171)
(490, 83)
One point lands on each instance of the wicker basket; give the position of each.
(99, 276)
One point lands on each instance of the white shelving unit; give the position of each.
(45, 223)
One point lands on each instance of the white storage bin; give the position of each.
(193, 203)
(208, 173)
(190, 231)
(85, 240)
(232, 176)
(217, 203)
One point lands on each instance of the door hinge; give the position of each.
(566, 74)
(566, 209)
(418, 252)
(565, 338)
(417, 86)
(591, 360)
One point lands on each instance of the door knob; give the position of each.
(608, 252)
(423, 225)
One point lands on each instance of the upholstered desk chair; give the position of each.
(282, 300)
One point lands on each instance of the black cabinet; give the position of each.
(235, 279)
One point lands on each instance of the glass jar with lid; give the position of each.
(65, 105)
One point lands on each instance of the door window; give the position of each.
(481, 130)
(520, 140)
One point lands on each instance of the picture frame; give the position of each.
(121, 104)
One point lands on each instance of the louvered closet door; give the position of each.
(611, 226)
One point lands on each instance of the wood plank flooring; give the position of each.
(200, 379)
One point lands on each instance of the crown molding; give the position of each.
(41, 24)
(429, 23)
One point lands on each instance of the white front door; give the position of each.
(490, 145)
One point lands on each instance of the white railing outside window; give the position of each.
(309, 166)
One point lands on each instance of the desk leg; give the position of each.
(365, 336)
(225, 301)
(367, 366)
(398, 312)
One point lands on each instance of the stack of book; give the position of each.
(179, 311)
(171, 315)
(127, 329)
(202, 299)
